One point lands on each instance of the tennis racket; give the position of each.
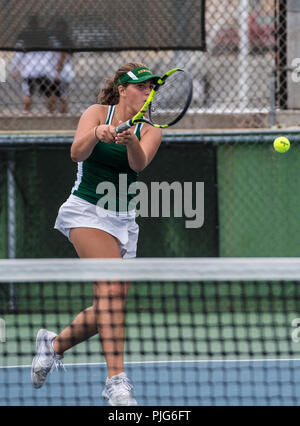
(167, 103)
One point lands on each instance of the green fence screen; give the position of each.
(251, 195)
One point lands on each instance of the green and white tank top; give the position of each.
(107, 164)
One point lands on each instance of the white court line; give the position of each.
(200, 361)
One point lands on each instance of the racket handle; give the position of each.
(123, 126)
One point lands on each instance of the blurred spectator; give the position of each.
(66, 75)
(39, 70)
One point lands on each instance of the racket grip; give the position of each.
(123, 126)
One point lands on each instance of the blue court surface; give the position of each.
(188, 383)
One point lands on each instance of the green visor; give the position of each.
(138, 75)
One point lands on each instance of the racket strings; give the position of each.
(171, 99)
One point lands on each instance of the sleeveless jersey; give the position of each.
(107, 164)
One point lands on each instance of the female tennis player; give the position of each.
(97, 232)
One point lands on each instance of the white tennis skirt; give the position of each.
(79, 213)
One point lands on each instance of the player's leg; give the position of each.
(107, 315)
(109, 307)
(89, 243)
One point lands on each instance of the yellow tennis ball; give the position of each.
(281, 144)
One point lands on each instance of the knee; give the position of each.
(107, 292)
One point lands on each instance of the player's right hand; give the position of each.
(106, 133)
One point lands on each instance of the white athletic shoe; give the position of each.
(45, 359)
(118, 391)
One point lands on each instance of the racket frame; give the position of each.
(139, 117)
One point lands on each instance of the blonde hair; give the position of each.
(109, 95)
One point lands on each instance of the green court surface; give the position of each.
(165, 337)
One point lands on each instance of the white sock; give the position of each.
(56, 355)
(117, 376)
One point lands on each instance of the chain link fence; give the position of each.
(243, 69)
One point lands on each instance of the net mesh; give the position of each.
(199, 332)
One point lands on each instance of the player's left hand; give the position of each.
(126, 138)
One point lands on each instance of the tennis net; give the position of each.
(199, 331)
